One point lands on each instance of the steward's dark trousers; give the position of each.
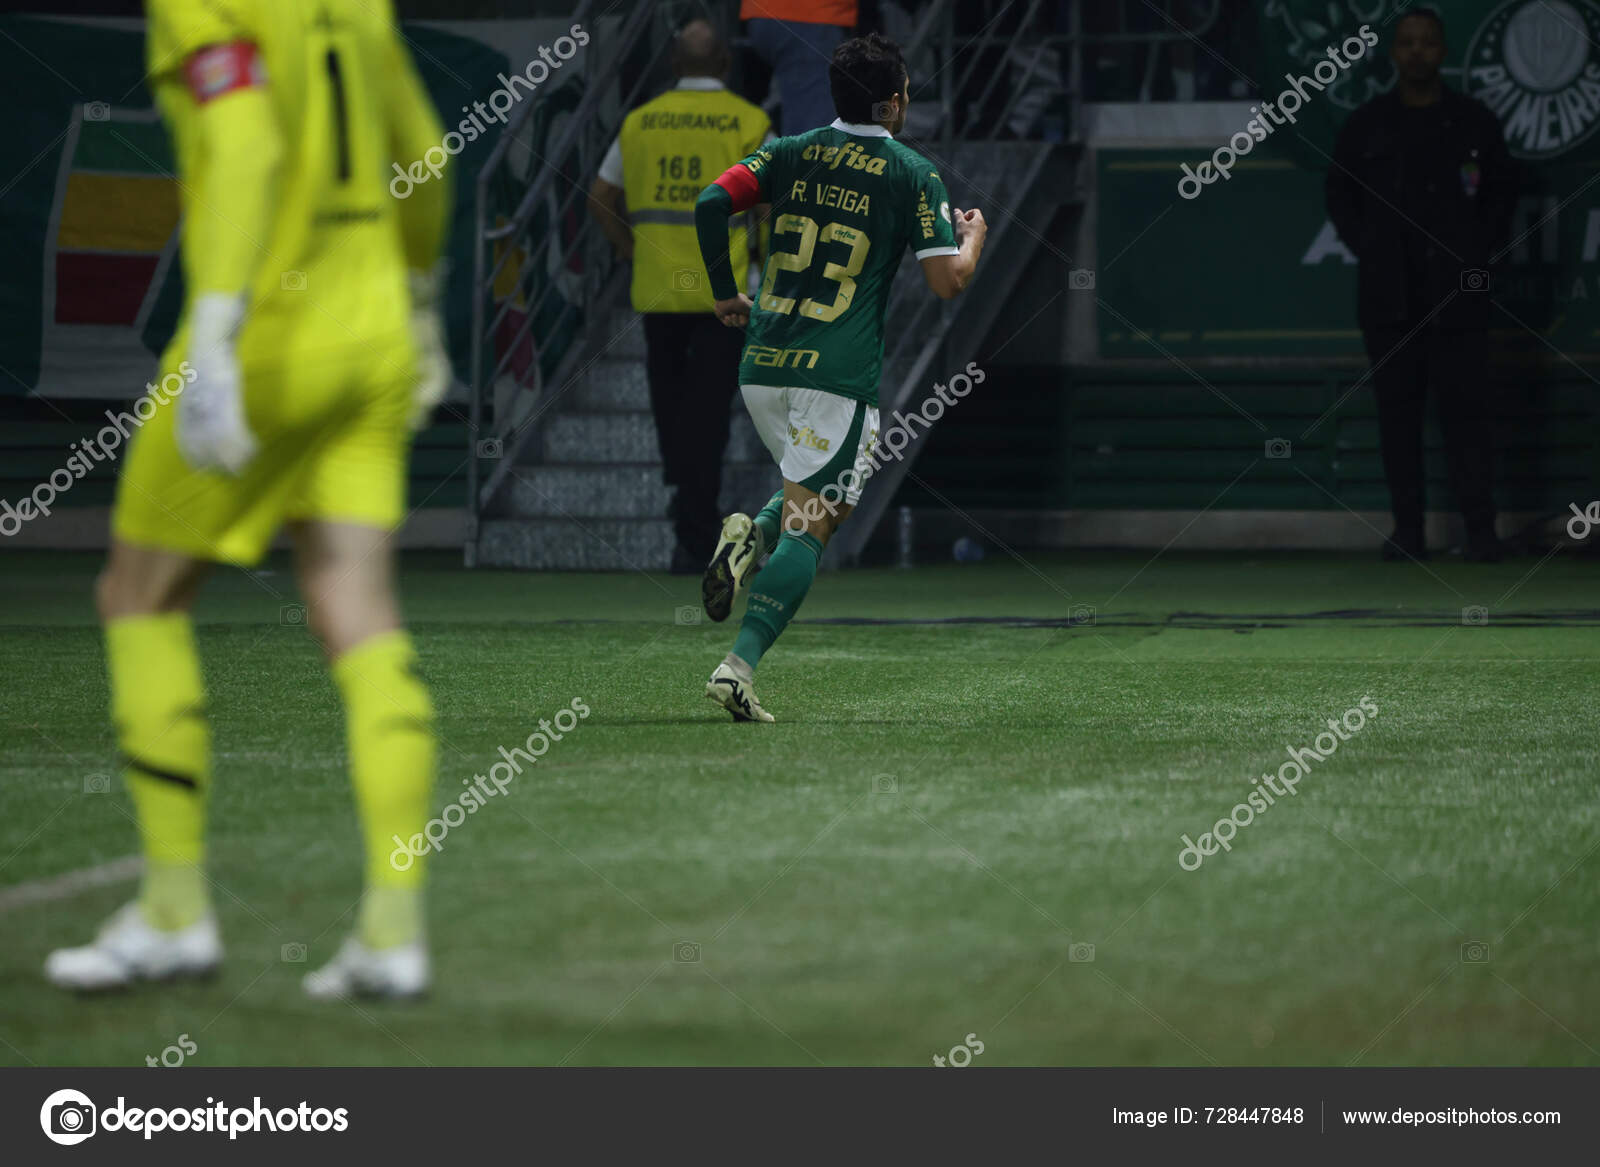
(692, 362)
(1452, 367)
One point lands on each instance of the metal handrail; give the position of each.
(586, 132)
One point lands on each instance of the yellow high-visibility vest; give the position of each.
(673, 147)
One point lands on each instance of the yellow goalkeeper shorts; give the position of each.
(334, 440)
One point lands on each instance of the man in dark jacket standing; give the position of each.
(1421, 190)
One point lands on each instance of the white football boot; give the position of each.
(358, 971)
(738, 548)
(732, 686)
(127, 949)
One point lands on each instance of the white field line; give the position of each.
(64, 887)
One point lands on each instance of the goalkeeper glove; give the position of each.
(212, 431)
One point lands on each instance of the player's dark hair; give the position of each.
(1426, 14)
(864, 72)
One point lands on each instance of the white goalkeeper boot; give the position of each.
(732, 686)
(358, 971)
(128, 949)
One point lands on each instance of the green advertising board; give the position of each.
(1536, 63)
(1250, 266)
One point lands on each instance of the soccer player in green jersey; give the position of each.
(847, 200)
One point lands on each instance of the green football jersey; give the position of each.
(846, 203)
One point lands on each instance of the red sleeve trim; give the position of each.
(219, 69)
(742, 187)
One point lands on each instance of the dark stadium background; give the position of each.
(967, 814)
(1117, 412)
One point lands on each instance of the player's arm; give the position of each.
(948, 275)
(606, 204)
(737, 189)
(236, 169)
(758, 222)
(947, 243)
(233, 179)
(414, 130)
(607, 209)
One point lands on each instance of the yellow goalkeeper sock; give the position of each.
(389, 724)
(158, 707)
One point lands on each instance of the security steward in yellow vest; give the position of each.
(643, 199)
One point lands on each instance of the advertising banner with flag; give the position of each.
(92, 285)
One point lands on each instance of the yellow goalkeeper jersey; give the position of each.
(328, 269)
(287, 118)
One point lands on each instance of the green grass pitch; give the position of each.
(946, 815)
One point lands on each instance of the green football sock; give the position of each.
(769, 520)
(777, 593)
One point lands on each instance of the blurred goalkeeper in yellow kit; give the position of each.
(313, 348)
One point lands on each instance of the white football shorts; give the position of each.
(821, 440)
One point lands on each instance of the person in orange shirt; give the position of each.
(796, 39)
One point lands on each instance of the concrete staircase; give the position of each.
(587, 495)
